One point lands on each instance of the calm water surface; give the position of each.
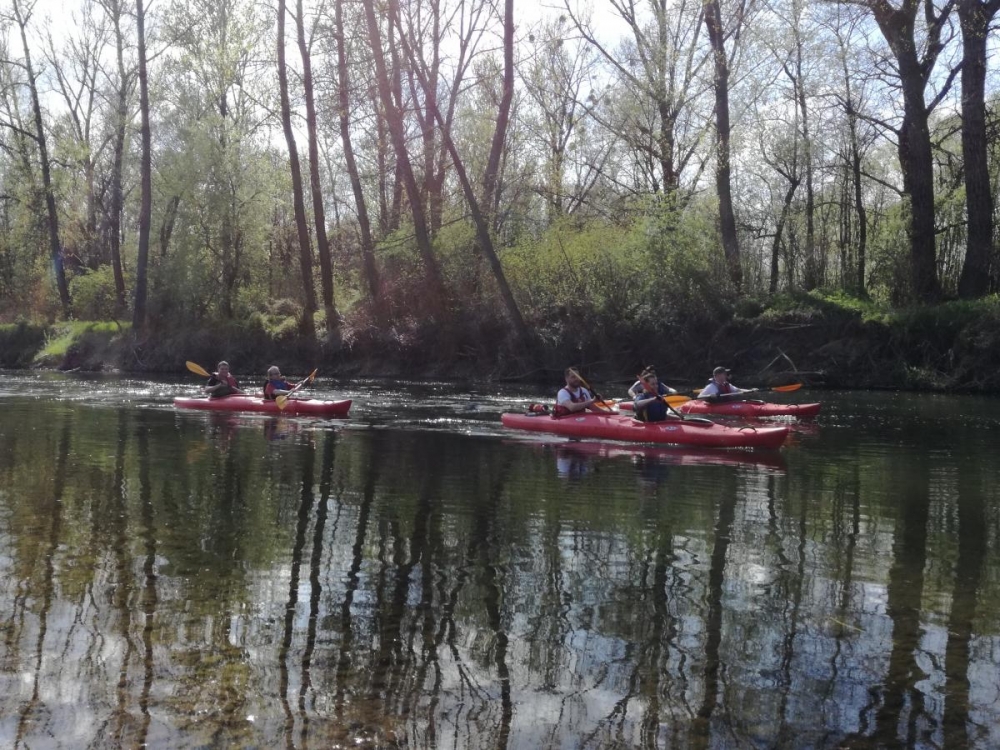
(416, 576)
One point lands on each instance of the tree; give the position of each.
(122, 82)
(76, 69)
(661, 63)
(319, 214)
(975, 18)
(717, 36)
(360, 204)
(915, 59)
(480, 217)
(302, 230)
(146, 177)
(22, 14)
(394, 124)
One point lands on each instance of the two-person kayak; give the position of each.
(749, 409)
(698, 432)
(293, 407)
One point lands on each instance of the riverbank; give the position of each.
(816, 339)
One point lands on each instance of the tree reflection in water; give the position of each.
(193, 581)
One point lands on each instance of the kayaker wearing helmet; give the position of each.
(649, 405)
(276, 385)
(719, 385)
(222, 383)
(574, 396)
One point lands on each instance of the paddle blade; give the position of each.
(281, 401)
(312, 375)
(787, 388)
(676, 400)
(197, 369)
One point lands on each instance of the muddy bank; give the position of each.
(950, 347)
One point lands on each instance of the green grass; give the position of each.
(63, 335)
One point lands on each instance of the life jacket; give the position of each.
(723, 389)
(270, 386)
(655, 411)
(230, 382)
(560, 410)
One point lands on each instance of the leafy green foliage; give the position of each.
(93, 294)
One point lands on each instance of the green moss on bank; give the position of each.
(84, 344)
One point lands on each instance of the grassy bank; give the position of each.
(822, 339)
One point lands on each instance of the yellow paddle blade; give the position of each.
(197, 369)
(282, 400)
(676, 400)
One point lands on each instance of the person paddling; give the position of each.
(574, 397)
(649, 404)
(638, 387)
(719, 385)
(276, 385)
(222, 383)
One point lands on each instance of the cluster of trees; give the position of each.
(211, 157)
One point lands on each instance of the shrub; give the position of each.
(93, 294)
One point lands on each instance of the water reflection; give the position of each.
(211, 581)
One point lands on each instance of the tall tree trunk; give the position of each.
(302, 228)
(117, 192)
(319, 214)
(975, 19)
(779, 230)
(146, 189)
(859, 208)
(917, 164)
(915, 65)
(55, 247)
(491, 196)
(723, 168)
(361, 206)
(811, 279)
(167, 225)
(382, 165)
(394, 123)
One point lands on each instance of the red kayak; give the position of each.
(700, 432)
(293, 407)
(750, 409)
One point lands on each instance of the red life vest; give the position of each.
(562, 411)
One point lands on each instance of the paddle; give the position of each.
(776, 389)
(197, 369)
(600, 399)
(282, 400)
(675, 400)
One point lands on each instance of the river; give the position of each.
(417, 576)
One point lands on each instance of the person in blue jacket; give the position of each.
(276, 385)
(649, 404)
